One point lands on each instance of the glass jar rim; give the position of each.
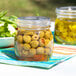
(33, 22)
(66, 12)
(33, 18)
(66, 9)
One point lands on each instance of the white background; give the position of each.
(67, 68)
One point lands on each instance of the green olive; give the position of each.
(35, 37)
(32, 52)
(27, 46)
(20, 38)
(40, 50)
(27, 39)
(41, 34)
(34, 44)
(47, 51)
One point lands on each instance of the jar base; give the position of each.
(35, 58)
(59, 40)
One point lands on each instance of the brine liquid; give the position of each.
(65, 31)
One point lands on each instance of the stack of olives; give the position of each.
(34, 45)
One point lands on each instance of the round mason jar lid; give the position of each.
(33, 22)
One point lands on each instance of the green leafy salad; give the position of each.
(7, 25)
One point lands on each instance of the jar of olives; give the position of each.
(65, 25)
(34, 40)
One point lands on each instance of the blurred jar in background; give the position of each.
(34, 40)
(65, 25)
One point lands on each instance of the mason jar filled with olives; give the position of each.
(34, 40)
(65, 25)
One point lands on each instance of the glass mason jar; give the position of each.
(34, 40)
(65, 25)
